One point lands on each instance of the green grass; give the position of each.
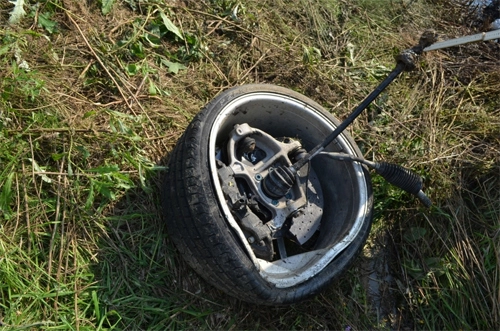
(93, 98)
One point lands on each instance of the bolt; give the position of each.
(275, 202)
(258, 177)
(251, 240)
(288, 195)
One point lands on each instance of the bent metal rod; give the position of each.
(405, 61)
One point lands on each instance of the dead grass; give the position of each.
(84, 133)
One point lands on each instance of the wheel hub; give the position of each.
(253, 166)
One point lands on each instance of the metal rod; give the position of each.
(464, 40)
(400, 67)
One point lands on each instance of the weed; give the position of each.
(311, 55)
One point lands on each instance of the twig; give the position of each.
(84, 71)
(60, 217)
(28, 226)
(38, 108)
(68, 13)
(252, 67)
(57, 220)
(56, 130)
(139, 88)
(219, 71)
(18, 206)
(113, 30)
(134, 98)
(233, 24)
(28, 326)
(75, 296)
(87, 174)
(94, 103)
(140, 29)
(219, 22)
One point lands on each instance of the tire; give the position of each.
(209, 238)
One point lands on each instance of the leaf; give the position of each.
(6, 196)
(104, 189)
(170, 26)
(414, 234)
(40, 171)
(4, 49)
(89, 114)
(153, 34)
(106, 6)
(18, 12)
(173, 67)
(132, 69)
(138, 50)
(153, 40)
(46, 23)
(433, 262)
(90, 198)
(84, 151)
(57, 156)
(152, 88)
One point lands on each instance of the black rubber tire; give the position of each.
(200, 232)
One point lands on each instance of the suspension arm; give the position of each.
(405, 61)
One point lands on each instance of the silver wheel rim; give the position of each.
(287, 116)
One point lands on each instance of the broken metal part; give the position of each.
(308, 219)
(251, 223)
(272, 154)
(409, 57)
(261, 241)
(296, 215)
(405, 61)
(234, 198)
(263, 250)
(395, 174)
(484, 36)
(238, 204)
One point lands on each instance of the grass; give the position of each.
(94, 96)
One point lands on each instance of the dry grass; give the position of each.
(85, 132)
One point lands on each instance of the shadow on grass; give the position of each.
(143, 283)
